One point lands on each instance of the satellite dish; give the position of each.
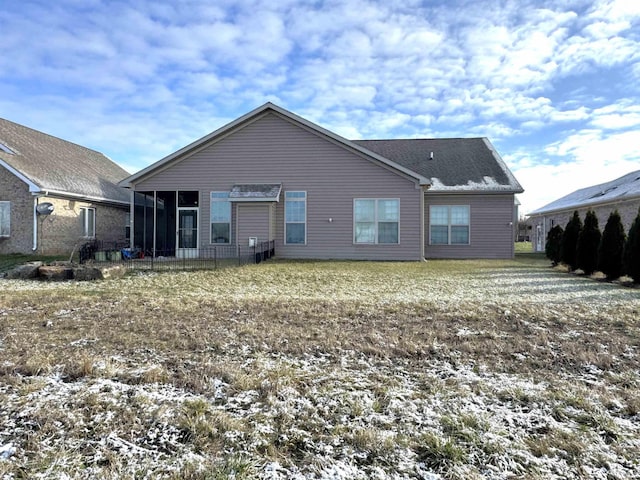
(45, 208)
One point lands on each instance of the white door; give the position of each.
(187, 235)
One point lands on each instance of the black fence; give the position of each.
(209, 258)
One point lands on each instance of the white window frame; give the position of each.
(127, 226)
(376, 221)
(295, 199)
(213, 200)
(84, 217)
(5, 228)
(450, 224)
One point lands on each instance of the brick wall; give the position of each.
(627, 210)
(59, 232)
(14, 190)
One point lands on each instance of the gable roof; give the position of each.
(252, 116)
(459, 165)
(624, 188)
(51, 165)
(451, 164)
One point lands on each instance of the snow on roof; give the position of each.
(487, 184)
(452, 164)
(256, 192)
(624, 188)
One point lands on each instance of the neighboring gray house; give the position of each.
(622, 194)
(272, 175)
(79, 184)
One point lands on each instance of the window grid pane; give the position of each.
(5, 219)
(460, 215)
(459, 235)
(91, 224)
(295, 233)
(365, 210)
(388, 210)
(220, 233)
(449, 224)
(388, 232)
(439, 215)
(295, 214)
(291, 195)
(439, 235)
(365, 232)
(295, 211)
(220, 218)
(376, 220)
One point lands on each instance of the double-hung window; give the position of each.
(295, 214)
(88, 222)
(376, 220)
(220, 217)
(449, 225)
(5, 219)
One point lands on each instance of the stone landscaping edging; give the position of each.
(62, 271)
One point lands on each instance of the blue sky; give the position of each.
(555, 85)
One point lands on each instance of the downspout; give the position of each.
(35, 224)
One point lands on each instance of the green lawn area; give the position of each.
(437, 369)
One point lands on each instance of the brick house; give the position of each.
(622, 194)
(56, 195)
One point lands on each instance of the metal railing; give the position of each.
(209, 258)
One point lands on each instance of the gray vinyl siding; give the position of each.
(272, 149)
(253, 221)
(491, 226)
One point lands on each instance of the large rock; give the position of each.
(55, 272)
(24, 272)
(87, 273)
(113, 271)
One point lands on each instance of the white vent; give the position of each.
(253, 241)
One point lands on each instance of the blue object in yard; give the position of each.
(130, 253)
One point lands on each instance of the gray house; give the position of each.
(622, 194)
(271, 175)
(56, 195)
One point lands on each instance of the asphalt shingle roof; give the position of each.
(458, 164)
(620, 189)
(56, 165)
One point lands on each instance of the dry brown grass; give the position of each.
(280, 330)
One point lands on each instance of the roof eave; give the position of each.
(33, 187)
(513, 181)
(577, 206)
(87, 198)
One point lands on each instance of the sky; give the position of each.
(554, 84)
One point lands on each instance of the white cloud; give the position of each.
(585, 158)
(167, 73)
(617, 116)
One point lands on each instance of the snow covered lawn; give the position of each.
(322, 370)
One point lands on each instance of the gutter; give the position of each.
(83, 197)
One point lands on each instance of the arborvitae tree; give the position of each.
(554, 242)
(611, 247)
(570, 241)
(632, 251)
(588, 242)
